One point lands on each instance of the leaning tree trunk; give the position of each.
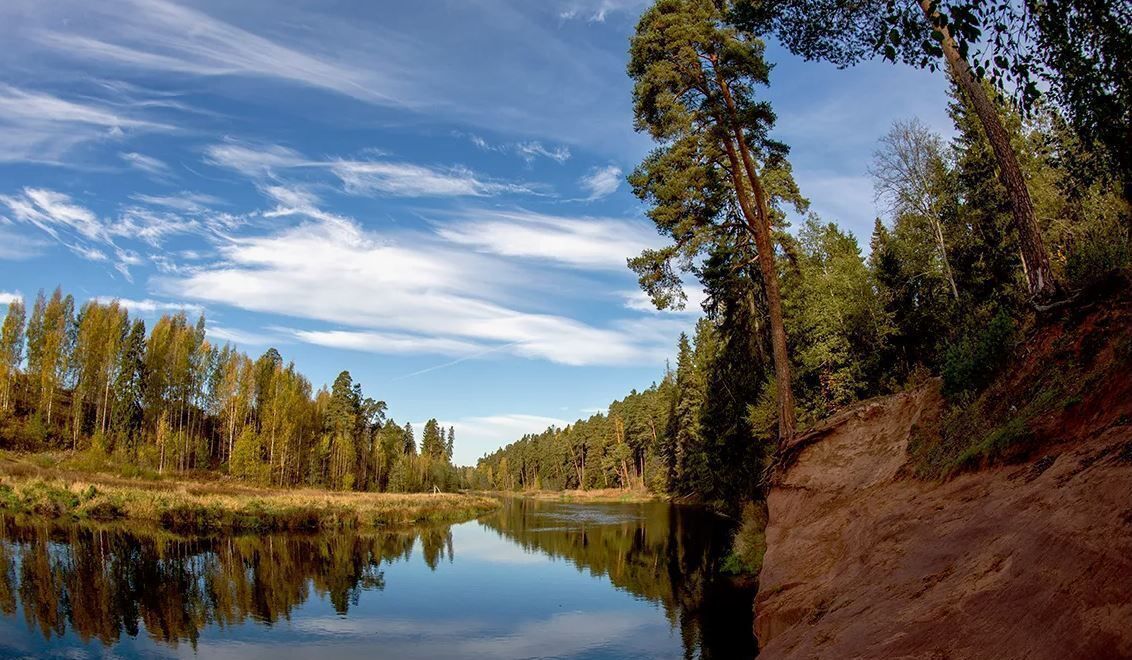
(1035, 258)
(759, 222)
(761, 230)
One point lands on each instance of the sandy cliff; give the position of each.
(1031, 559)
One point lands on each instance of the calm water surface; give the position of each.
(536, 579)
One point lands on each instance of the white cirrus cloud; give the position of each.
(152, 226)
(59, 217)
(579, 241)
(370, 54)
(370, 176)
(386, 342)
(528, 150)
(39, 127)
(608, 631)
(601, 181)
(160, 36)
(596, 11)
(409, 180)
(534, 149)
(148, 164)
(253, 160)
(243, 338)
(151, 306)
(412, 290)
(92, 237)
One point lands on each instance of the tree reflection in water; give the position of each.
(104, 581)
(666, 553)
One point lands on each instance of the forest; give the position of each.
(1023, 208)
(1013, 217)
(94, 382)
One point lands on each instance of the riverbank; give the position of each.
(191, 506)
(598, 495)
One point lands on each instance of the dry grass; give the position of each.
(204, 506)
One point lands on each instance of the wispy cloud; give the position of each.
(243, 338)
(604, 630)
(534, 149)
(846, 199)
(408, 180)
(528, 150)
(151, 306)
(153, 226)
(148, 164)
(584, 242)
(184, 201)
(360, 177)
(409, 291)
(159, 36)
(9, 297)
(601, 181)
(38, 127)
(55, 213)
(375, 55)
(253, 160)
(95, 238)
(386, 342)
(460, 360)
(596, 11)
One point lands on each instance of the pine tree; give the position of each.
(684, 422)
(432, 440)
(716, 171)
(128, 386)
(408, 441)
(342, 428)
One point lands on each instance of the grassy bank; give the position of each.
(599, 495)
(183, 505)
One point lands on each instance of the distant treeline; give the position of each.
(173, 401)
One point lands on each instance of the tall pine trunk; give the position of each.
(759, 222)
(1035, 258)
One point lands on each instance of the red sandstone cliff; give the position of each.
(1030, 559)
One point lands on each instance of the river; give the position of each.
(534, 579)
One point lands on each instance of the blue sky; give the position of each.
(428, 194)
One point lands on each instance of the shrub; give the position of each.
(970, 364)
(1099, 253)
(100, 444)
(749, 545)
